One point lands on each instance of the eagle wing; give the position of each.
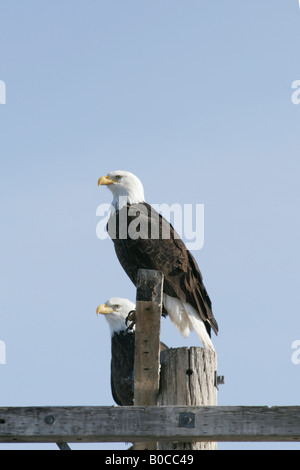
(163, 251)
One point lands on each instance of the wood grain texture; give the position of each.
(147, 342)
(147, 338)
(158, 423)
(187, 378)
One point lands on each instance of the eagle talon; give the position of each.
(130, 319)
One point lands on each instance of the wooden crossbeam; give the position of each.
(163, 423)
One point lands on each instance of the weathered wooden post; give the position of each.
(147, 342)
(188, 377)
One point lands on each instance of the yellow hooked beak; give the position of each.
(105, 180)
(104, 309)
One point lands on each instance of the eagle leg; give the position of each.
(130, 320)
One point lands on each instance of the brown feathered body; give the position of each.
(143, 239)
(122, 366)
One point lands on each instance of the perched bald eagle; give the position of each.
(116, 311)
(131, 226)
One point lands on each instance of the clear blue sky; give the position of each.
(195, 98)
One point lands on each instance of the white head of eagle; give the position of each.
(116, 310)
(125, 186)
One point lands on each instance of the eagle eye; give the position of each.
(117, 306)
(118, 177)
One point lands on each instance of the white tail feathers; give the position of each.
(187, 319)
(199, 327)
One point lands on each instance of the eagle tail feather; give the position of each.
(199, 327)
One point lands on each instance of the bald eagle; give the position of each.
(116, 311)
(131, 225)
